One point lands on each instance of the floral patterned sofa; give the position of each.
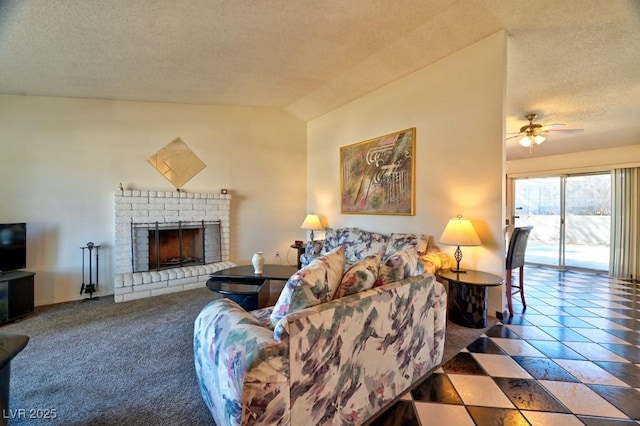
(359, 243)
(335, 349)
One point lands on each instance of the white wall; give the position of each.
(61, 161)
(456, 106)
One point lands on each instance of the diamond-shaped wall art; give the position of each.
(176, 162)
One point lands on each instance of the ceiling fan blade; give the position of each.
(513, 137)
(552, 126)
(564, 130)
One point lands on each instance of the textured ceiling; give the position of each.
(573, 61)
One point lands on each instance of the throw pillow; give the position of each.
(314, 284)
(399, 242)
(361, 276)
(401, 265)
(357, 243)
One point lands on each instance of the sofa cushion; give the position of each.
(358, 244)
(401, 241)
(399, 266)
(311, 285)
(361, 276)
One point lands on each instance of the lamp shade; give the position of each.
(311, 222)
(459, 232)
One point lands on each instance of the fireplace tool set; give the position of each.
(90, 287)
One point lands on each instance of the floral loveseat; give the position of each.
(359, 243)
(335, 349)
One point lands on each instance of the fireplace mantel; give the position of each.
(164, 207)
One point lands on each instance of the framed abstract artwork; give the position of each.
(377, 175)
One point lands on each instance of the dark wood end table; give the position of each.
(300, 251)
(249, 296)
(468, 296)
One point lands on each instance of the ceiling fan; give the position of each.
(531, 134)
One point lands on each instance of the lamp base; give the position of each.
(458, 257)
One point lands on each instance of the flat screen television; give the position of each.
(13, 246)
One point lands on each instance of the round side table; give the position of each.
(249, 296)
(468, 296)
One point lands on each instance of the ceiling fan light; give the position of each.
(539, 139)
(525, 141)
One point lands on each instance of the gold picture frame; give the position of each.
(377, 176)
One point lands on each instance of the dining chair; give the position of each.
(515, 259)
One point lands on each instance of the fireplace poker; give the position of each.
(82, 287)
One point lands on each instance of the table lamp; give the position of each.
(312, 223)
(459, 232)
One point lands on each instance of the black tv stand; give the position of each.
(16, 295)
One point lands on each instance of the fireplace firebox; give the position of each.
(156, 246)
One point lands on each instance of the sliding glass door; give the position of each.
(588, 221)
(571, 216)
(538, 202)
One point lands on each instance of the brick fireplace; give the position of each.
(189, 229)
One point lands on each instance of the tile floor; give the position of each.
(571, 358)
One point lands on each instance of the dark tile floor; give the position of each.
(571, 358)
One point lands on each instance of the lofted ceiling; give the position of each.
(575, 62)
